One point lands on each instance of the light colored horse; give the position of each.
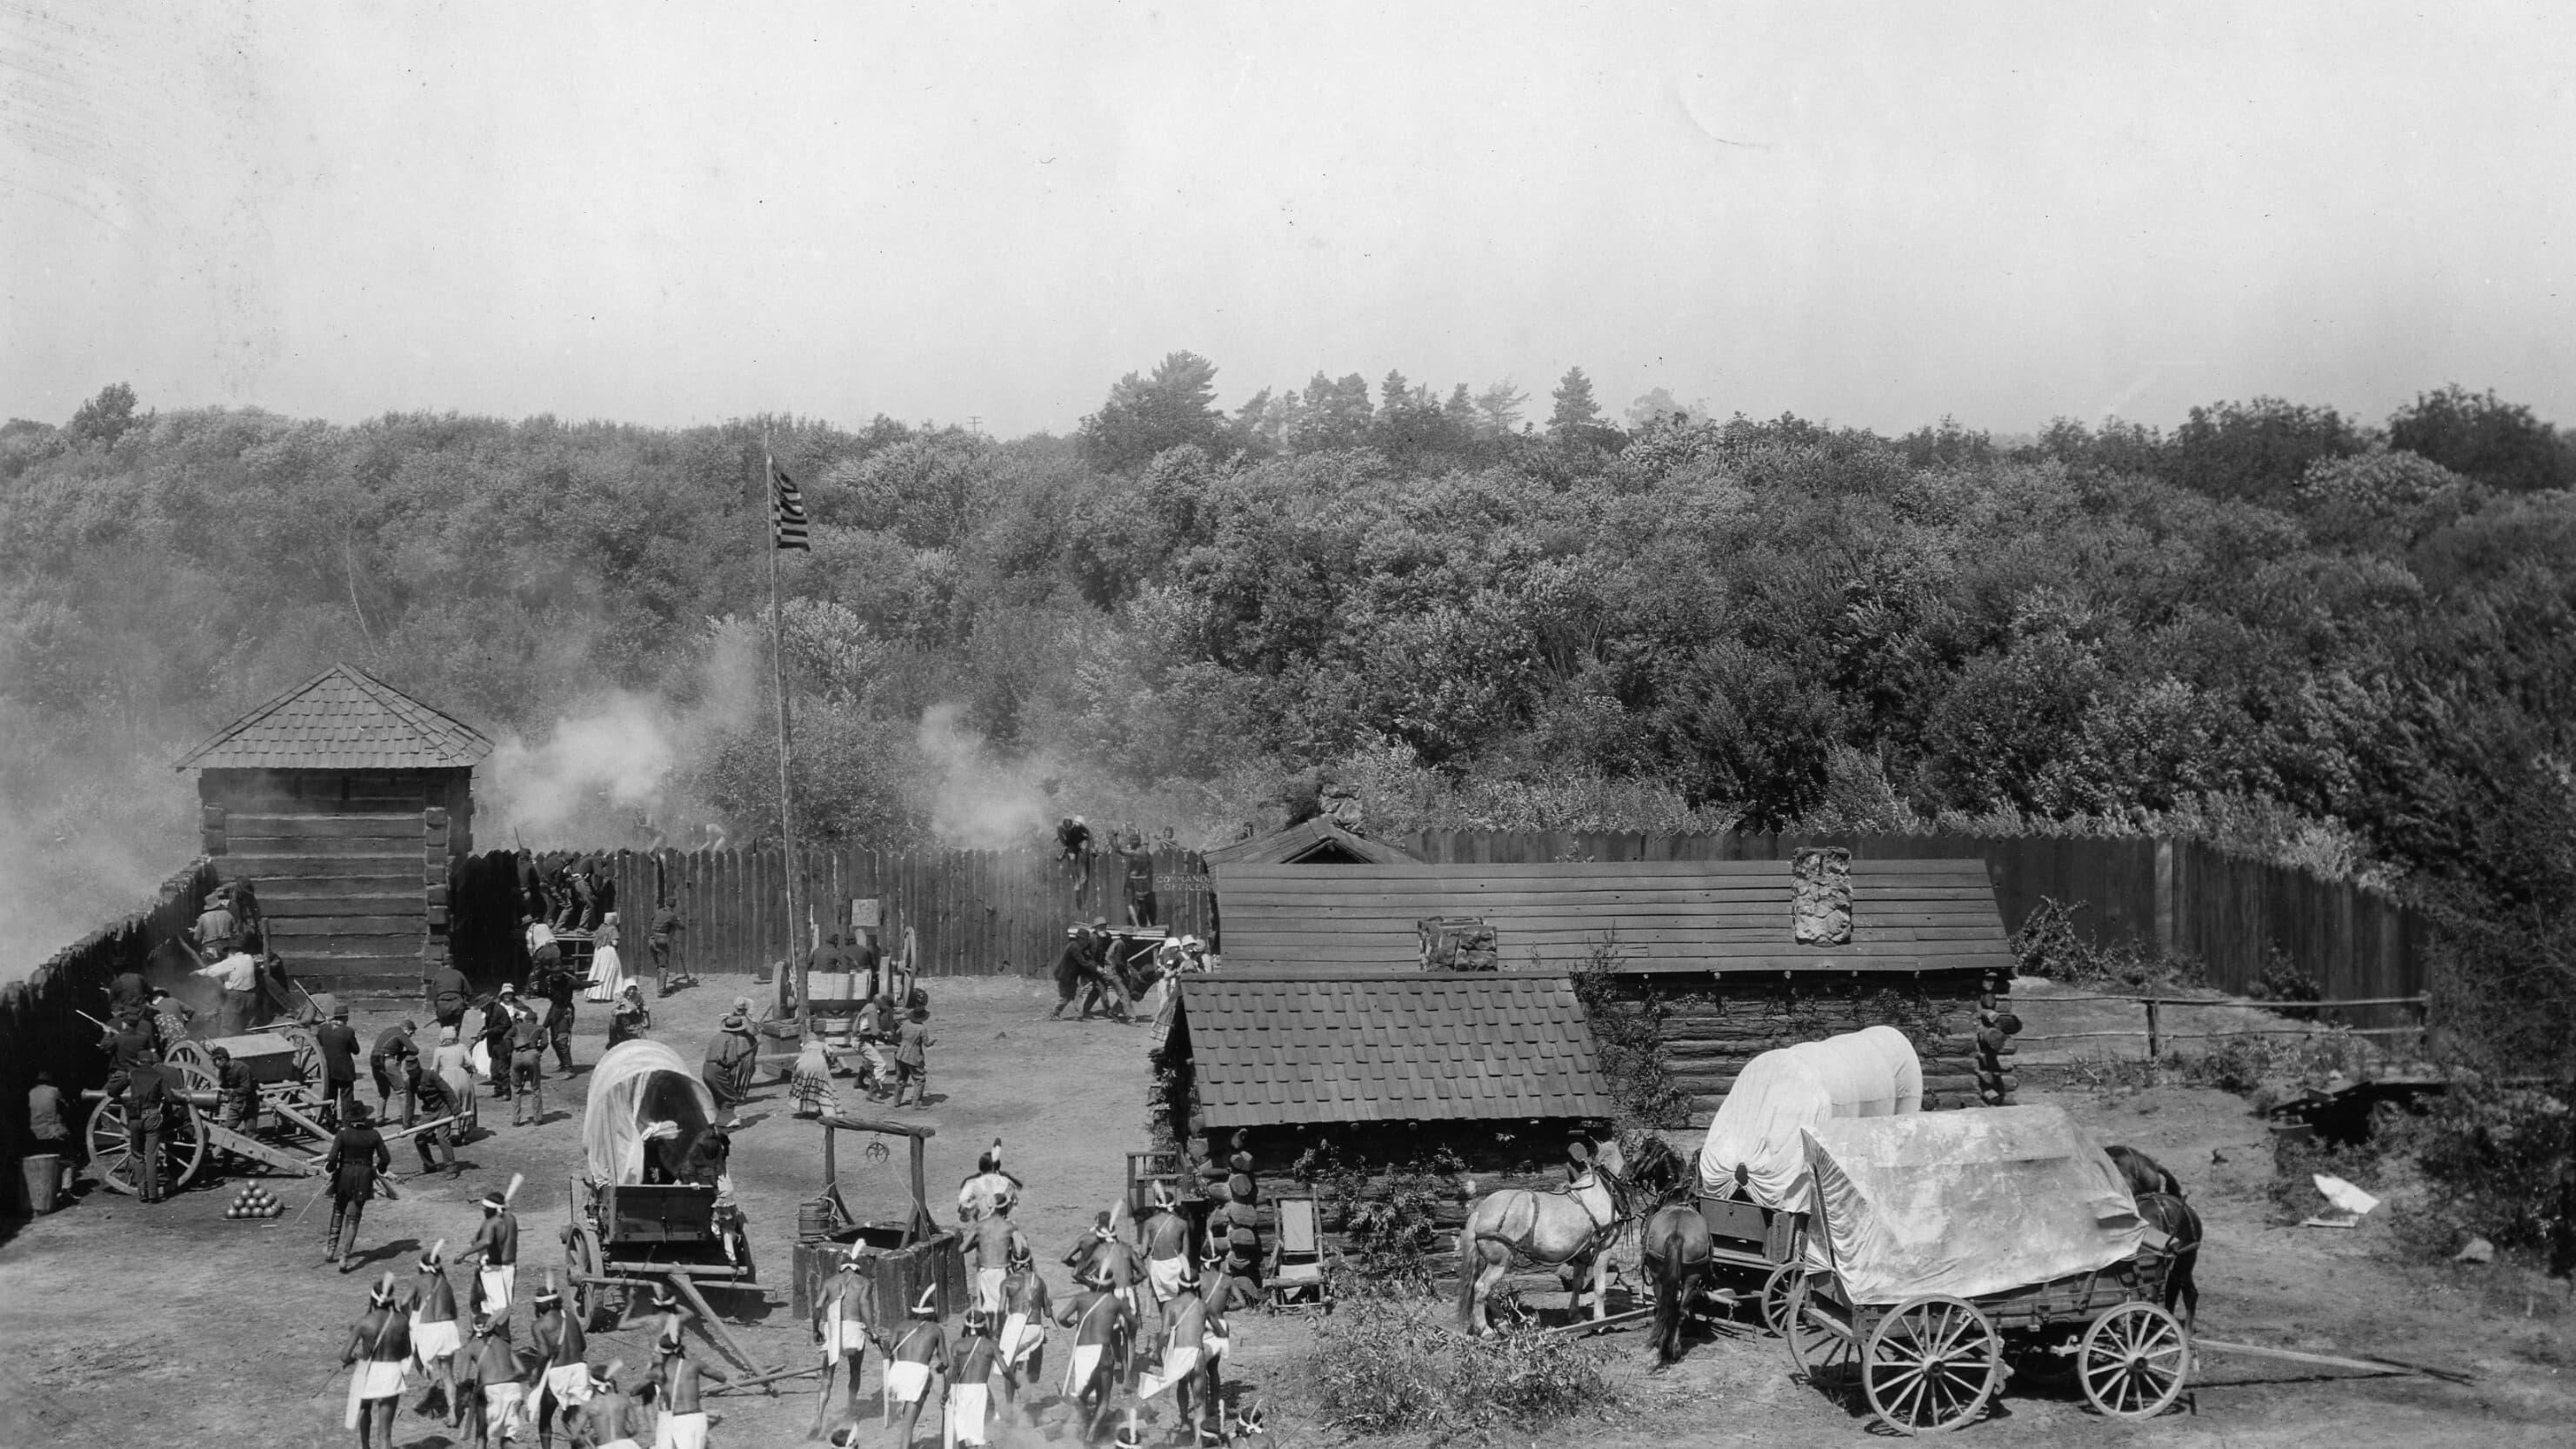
(1565, 1230)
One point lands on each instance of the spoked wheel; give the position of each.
(1825, 1358)
(190, 1057)
(1932, 1364)
(1775, 1299)
(2134, 1361)
(112, 1147)
(308, 1057)
(599, 1306)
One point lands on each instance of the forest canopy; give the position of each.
(2328, 640)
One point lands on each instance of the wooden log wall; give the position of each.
(1714, 1024)
(41, 1028)
(972, 912)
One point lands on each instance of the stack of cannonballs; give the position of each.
(254, 1201)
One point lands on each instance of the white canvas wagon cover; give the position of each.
(612, 1137)
(1970, 1203)
(1754, 1136)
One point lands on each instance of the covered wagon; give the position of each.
(648, 1206)
(1939, 1245)
(1753, 1165)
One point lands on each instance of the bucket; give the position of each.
(44, 1173)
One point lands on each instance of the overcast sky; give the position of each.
(1873, 214)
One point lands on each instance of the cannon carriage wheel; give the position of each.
(1931, 1365)
(111, 1146)
(2134, 1360)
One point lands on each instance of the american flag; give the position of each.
(788, 519)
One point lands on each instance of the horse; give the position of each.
(1565, 1229)
(2179, 1221)
(2143, 1173)
(1674, 1250)
(2161, 1203)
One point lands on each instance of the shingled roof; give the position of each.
(1271, 1049)
(341, 719)
(1906, 915)
(1309, 842)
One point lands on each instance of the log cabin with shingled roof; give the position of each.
(347, 804)
(1727, 958)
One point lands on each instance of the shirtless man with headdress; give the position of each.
(608, 1420)
(562, 1352)
(996, 1241)
(841, 1331)
(1167, 1248)
(1103, 1333)
(917, 1359)
(970, 1392)
(435, 1338)
(379, 1345)
(1021, 1347)
(682, 1421)
(491, 1380)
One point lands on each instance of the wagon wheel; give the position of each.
(190, 1057)
(1825, 1359)
(598, 1306)
(1775, 1299)
(308, 1057)
(111, 1147)
(1932, 1364)
(2134, 1361)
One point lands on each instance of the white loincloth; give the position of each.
(497, 1285)
(1165, 1275)
(681, 1431)
(1079, 1367)
(569, 1384)
(967, 1409)
(373, 1378)
(504, 1405)
(988, 1288)
(431, 1342)
(621, 1444)
(907, 1381)
(843, 1336)
(1018, 1340)
(1179, 1363)
(1215, 1346)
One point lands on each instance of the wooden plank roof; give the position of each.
(1302, 843)
(1907, 915)
(342, 719)
(1271, 1049)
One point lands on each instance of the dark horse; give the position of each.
(1673, 1248)
(2161, 1204)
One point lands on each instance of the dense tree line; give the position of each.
(2339, 642)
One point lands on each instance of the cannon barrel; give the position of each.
(204, 1101)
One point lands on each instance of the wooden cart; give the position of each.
(619, 1237)
(1927, 1360)
(1753, 1251)
(286, 1129)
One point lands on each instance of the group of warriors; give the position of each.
(1078, 848)
(477, 1377)
(1147, 1316)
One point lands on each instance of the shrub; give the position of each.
(2493, 1158)
(2047, 946)
(1375, 1367)
(1628, 1033)
(1390, 1212)
(1387, 1365)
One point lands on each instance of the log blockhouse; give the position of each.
(347, 804)
(1708, 948)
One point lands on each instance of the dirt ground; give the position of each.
(121, 1324)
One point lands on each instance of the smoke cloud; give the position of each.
(980, 801)
(613, 771)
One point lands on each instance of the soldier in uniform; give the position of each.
(357, 1157)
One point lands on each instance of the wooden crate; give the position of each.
(670, 1212)
(896, 1276)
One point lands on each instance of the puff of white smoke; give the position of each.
(980, 802)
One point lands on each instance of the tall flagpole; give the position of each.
(796, 958)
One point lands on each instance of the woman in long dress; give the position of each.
(607, 968)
